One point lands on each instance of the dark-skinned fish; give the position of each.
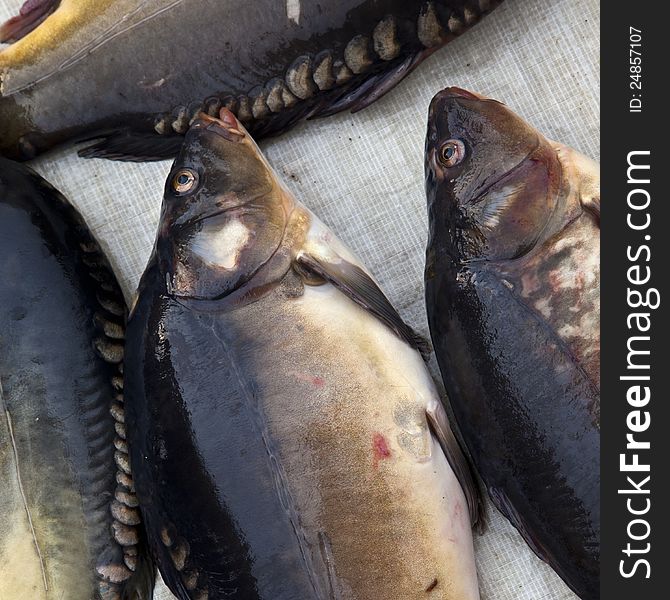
(69, 523)
(286, 437)
(134, 73)
(513, 299)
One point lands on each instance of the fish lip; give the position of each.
(225, 127)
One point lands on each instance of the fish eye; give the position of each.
(184, 181)
(452, 152)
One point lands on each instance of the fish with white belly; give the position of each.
(287, 439)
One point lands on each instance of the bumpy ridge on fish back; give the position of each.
(123, 573)
(313, 85)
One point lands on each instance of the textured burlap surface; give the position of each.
(363, 175)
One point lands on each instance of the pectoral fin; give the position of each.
(359, 286)
(439, 425)
(591, 203)
(131, 146)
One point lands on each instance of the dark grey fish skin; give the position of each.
(513, 300)
(287, 440)
(135, 73)
(68, 515)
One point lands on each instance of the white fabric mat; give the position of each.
(363, 175)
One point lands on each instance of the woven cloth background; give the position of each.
(363, 175)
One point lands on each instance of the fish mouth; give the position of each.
(478, 194)
(226, 125)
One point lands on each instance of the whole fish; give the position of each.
(513, 299)
(134, 73)
(68, 512)
(287, 440)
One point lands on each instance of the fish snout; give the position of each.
(226, 125)
(456, 92)
(444, 99)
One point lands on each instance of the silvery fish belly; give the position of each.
(513, 298)
(287, 440)
(68, 516)
(160, 62)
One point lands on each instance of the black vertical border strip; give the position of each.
(622, 132)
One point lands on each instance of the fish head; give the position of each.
(224, 211)
(492, 180)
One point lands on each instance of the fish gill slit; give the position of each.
(436, 23)
(23, 493)
(279, 477)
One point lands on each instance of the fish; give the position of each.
(69, 523)
(513, 299)
(133, 74)
(286, 437)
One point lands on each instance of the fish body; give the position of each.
(287, 440)
(68, 522)
(136, 72)
(513, 299)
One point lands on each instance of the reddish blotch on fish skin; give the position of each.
(380, 449)
(315, 380)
